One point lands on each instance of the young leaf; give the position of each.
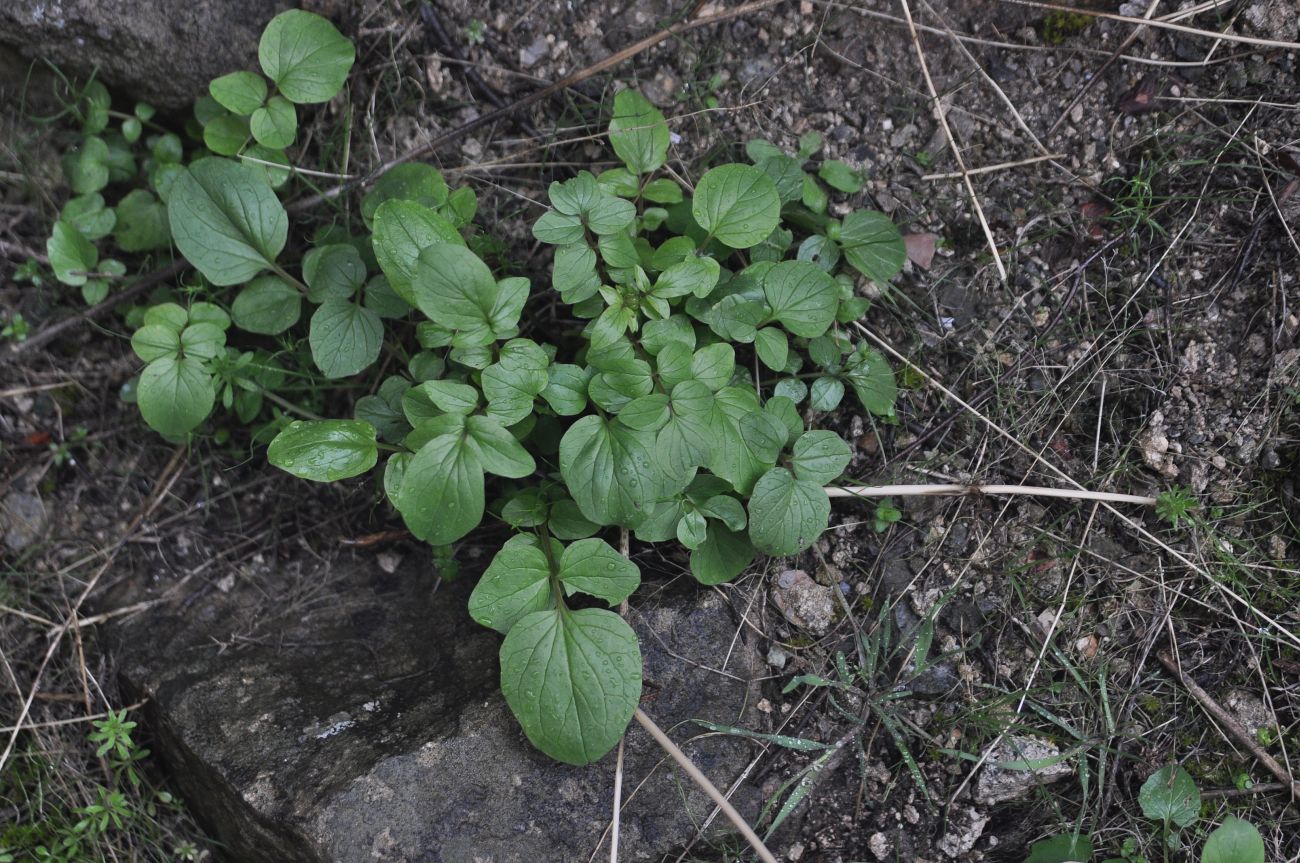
(1170, 796)
(713, 365)
(441, 495)
(868, 372)
(333, 271)
(403, 229)
(773, 348)
(345, 337)
(497, 449)
(593, 567)
(647, 413)
(559, 229)
(820, 456)
(268, 305)
(240, 92)
(305, 56)
(1070, 848)
(1234, 841)
(610, 471)
(786, 515)
(410, 181)
(722, 556)
(737, 204)
(566, 389)
(275, 124)
(826, 394)
(89, 216)
(692, 529)
(71, 255)
(86, 166)
(684, 442)
(141, 223)
(694, 275)
(325, 450)
(872, 244)
(456, 289)
(662, 191)
(175, 395)
(153, 341)
(568, 522)
(574, 274)
(516, 583)
(840, 176)
(226, 135)
(450, 396)
(802, 296)
(226, 220)
(573, 679)
(638, 133)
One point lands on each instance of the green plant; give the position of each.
(664, 401)
(15, 328)
(475, 31)
(1175, 505)
(886, 515)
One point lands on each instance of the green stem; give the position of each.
(284, 274)
(290, 406)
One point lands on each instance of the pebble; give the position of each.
(23, 519)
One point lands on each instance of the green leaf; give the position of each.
(840, 176)
(403, 229)
(71, 255)
(383, 300)
(814, 196)
(722, 556)
(203, 340)
(713, 365)
(786, 515)
(457, 290)
(573, 679)
(86, 167)
(662, 191)
(692, 529)
(1170, 796)
(1234, 841)
(566, 389)
(673, 364)
(305, 56)
(802, 296)
(638, 133)
(141, 223)
(383, 410)
(593, 567)
(791, 388)
(826, 394)
(512, 382)
(559, 229)
(773, 348)
(175, 395)
(268, 305)
(757, 150)
(275, 125)
(568, 522)
(345, 337)
(610, 471)
(726, 509)
(153, 341)
(574, 274)
(647, 413)
(240, 92)
(584, 198)
(441, 495)
(410, 181)
(516, 583)
(226, 220)
(325, 450)
(526, 508)
(820, 456)
(1071, 848)
(809, 144)
(786, 175)
(685, 443)
(730, 455)
(334, 271)
(498, 450)
(167, 315)
(694, 275)
(868, 372)
(872, 244)
(208, 313)
(89, 216)
(783, 410)
(656, 335)
(737, 204)
(226, 135)
(450, 396)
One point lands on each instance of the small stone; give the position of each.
(777, 657)
(803, 601)
(389, 561)
(880, 845)
(534, 53)
(998, 784)
(23, 519)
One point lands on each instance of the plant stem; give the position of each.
(701, 780)
(955, 489)
(290, 406)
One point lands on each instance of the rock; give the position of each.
(935, 681)
(159, 51)
(354, 715)
(804, 602)
(998, 784)
(22, 519)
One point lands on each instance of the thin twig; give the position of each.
(618, 803)
(1234, 728)
(942, 117)
(989, 169)
(1159, 24)
(689, 768)
(957, 489)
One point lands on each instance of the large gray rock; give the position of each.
(162, 51)
(350, 715)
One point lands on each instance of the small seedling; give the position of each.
(475, 31)
(16, 328)
(886, 515)
(1175, 505)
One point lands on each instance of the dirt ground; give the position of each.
(1139, 185)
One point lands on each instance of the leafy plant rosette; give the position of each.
(700, 332)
